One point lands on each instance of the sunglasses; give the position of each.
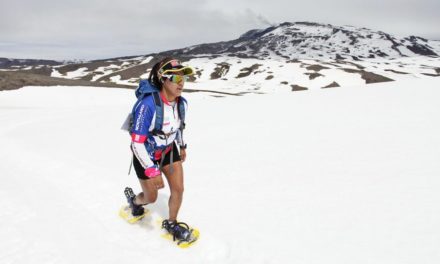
(176, 78)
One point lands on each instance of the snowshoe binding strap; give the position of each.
(179, 230)
(129, 194)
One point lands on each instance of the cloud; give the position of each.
(109, 28)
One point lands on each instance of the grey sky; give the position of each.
(87, 29)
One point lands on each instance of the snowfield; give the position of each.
(341, 175)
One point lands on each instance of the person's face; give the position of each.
(174, 87)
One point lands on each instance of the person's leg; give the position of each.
(149, 186)
(175, 181)
(148, 194)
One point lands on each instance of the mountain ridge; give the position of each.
(358, 51)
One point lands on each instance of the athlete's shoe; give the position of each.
(180, 231)
(136, 209)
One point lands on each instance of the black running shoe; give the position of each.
(136, 209)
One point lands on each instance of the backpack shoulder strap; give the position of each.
(181, 110)
(157, 130)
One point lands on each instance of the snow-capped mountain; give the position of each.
(304, 40)
(295, 56)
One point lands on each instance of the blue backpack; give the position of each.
(146, 89)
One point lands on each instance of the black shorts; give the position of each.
(140, 171)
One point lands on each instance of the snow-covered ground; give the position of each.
(273, 75)
(343, 175)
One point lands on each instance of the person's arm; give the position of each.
(143, 117)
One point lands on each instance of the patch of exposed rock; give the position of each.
(332, 85)
(296, 88)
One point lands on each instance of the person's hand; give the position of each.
(183, 154)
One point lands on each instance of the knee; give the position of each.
(177, 190)
(152, 197)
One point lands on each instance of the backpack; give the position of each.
(146, 89)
